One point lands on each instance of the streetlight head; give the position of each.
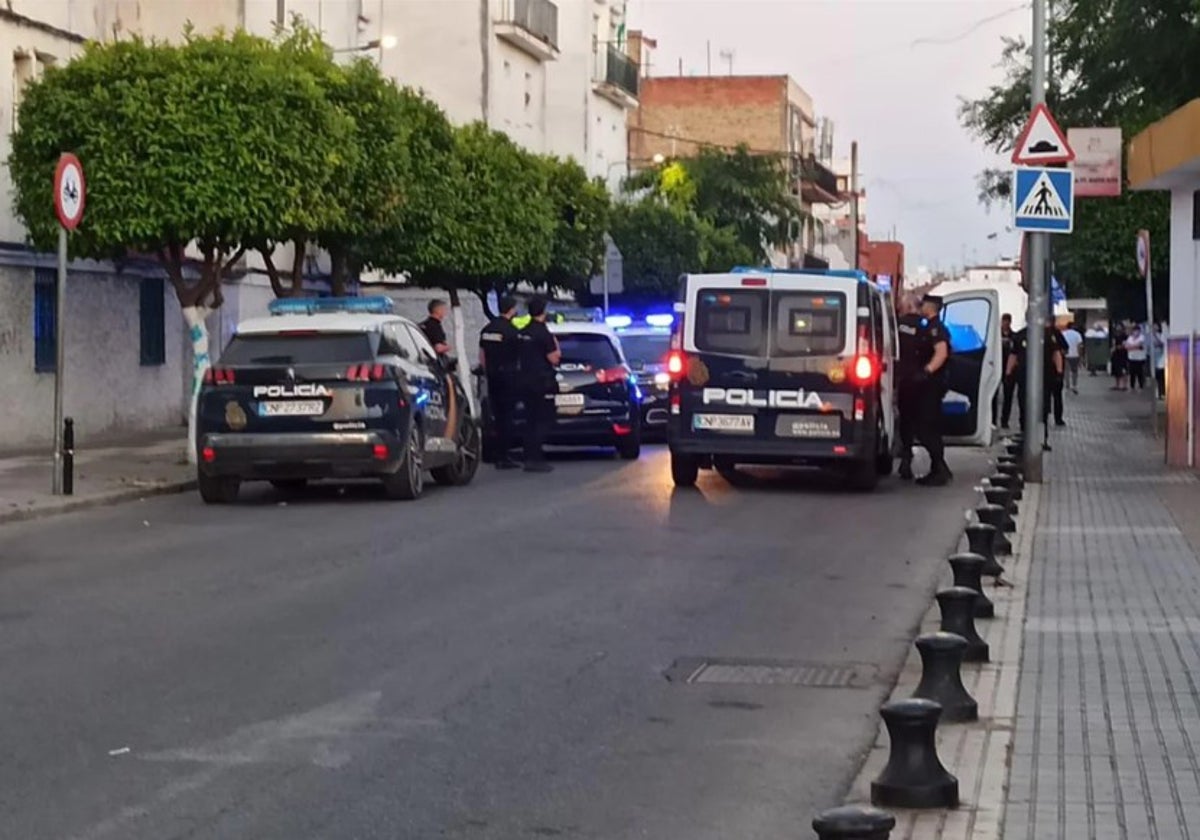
(387, 42)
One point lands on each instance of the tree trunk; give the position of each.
(460, 347)
(338, 266)
(194, 316)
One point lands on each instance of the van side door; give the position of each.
(972, 319)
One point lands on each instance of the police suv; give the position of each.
(646, 343)
(783, 367)
(332, 388)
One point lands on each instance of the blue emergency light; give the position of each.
(664, 319)
(371, 305)
(618, 321)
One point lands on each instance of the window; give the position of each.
(398, 341)
(152, 322)
(587, 351)
(313, 348)
(646, 349)
(967, 323)
(808, 324)
(45, 321)
(732, 321)
(425, 350)
(877, 322)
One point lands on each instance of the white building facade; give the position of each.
(552, 75)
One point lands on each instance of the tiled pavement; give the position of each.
(1108, 706)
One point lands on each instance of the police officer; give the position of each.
(433, 328)
(924, 351)
(498, 354)
(1054, 360)
(539, 356)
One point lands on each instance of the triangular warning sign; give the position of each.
(1043, 201)
(1041, 141)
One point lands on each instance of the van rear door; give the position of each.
(972, 318)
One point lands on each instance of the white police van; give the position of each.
(797, 368)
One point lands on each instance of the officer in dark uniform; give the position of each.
(924, 351)
(1009, 386)
(498, 353)
(1054, 359)
(539, 355)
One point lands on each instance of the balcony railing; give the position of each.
(621, 71)
(818, 183)
(539, 18)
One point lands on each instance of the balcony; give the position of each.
(818, 183)
(531, 26)
(616, 77)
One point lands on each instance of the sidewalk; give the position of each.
(150, 465)
(1108, 708)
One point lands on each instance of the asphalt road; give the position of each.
(487, 662)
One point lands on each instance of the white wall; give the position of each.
(1184, 264)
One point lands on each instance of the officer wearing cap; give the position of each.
(924, 351)
(498, 353)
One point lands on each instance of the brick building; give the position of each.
(770, 114)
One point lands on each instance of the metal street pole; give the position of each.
(854, 200)
(1035, 317)
(60, 361)
(1152, 354)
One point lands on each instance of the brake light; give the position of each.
(611, 376)
(366, 373)
(675, 364)
(863, 370)
(860, 409)
(218, 376)
(754, 281)
(620, 430)
(208, 454)
(380, 452)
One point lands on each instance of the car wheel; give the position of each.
(630, 446)
(408, 481)
(685, 469)
(218, 490)
(466, 463)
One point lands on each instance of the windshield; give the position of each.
(311, 348)
(587, 351)
(646, 349)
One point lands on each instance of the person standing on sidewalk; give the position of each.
(1059, 380)
(1160, 361)
(1074, 342)
(1054, 362)
(1009, 387)
(1135, 347)
(1120, 359)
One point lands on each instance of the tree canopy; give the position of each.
(1115, 62)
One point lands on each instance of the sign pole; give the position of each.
(69, 197)
(60, 312)
(1035, 317)
(1152, 351)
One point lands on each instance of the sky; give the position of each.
(889, 74)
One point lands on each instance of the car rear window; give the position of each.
(646, 349)
(732, 321)
(587, 350)
(809, 323)
(311, 348)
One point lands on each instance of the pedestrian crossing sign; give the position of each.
(1043, 199)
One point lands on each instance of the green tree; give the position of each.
(1115, 62)
(216, 143)
(582, 208)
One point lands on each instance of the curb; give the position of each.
(114, 497)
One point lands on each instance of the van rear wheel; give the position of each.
(685, 469)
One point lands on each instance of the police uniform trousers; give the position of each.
(920, 405)
(539, 417)
(502, 397)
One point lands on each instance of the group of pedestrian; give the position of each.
(1130, 359)
(1060, 360)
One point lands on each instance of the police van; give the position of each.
(793, 368)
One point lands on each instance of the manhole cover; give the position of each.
(768, 672)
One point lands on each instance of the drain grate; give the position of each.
(768, 672)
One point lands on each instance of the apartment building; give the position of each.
(677, 115)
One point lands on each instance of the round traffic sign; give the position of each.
(69, 191)
(1143, 252)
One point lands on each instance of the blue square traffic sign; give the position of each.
(1043, 200)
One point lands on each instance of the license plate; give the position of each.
(291, 408)
(737, 423)
(821, 426)
(568, 400)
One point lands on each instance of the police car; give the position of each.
(598, 401)
(783, 367)
(332, 388)
(646, 342)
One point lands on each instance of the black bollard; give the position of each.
(1008, 482)
(68, 457)
(941, 676)
(994, 515)
(913, 776)
(1015, 474)
(1014, 449)
(1002, 498)
(1000, 481)
(968, 572)
(958, 616)
(854, 822)
(981, 540)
